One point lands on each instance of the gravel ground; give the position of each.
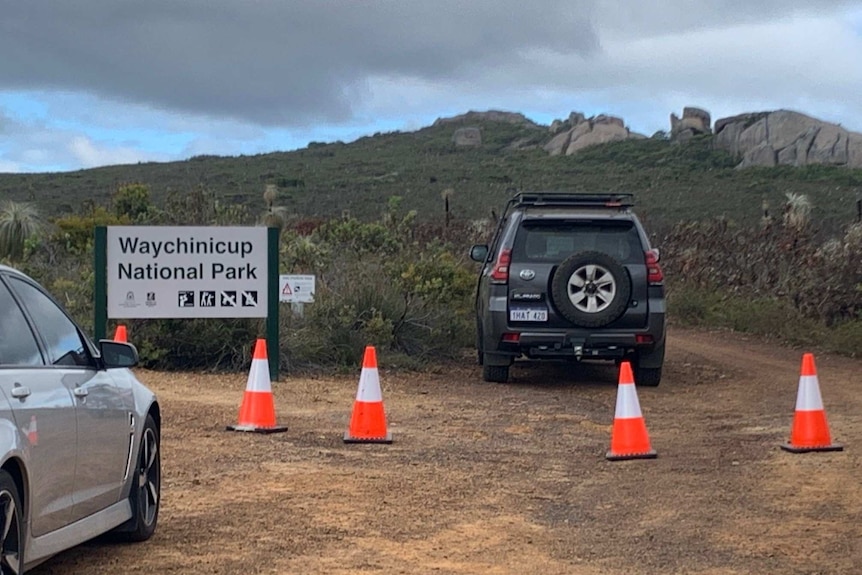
(508, 479)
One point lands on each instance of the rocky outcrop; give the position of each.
(489, 116)
(785, 137)
(694, 122)
(579, 132)
(774, 138)
(469, 136)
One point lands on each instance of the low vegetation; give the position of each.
(778, 280)
(385, 224)
(673, 182)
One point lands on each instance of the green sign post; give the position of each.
(272, 346)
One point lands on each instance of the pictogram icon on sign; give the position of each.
(186, 299)
(207, 299)
(228, 299)
(249, 298)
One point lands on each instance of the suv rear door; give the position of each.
(542, 244)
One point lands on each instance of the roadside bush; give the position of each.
(406, 287)
(203, 344)
(132, 201)
(358, 307)
(766, 317)
(845, 338)
(818, 279)
(777, 280)
(74, 234)
(412, 304)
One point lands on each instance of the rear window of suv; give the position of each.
(554, 241)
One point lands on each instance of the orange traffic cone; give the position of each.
(810, 431)
(33, 432)
(120, 334)
(257, 411)
(629, 437)
(368, 421)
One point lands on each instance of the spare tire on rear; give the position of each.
(591, 289)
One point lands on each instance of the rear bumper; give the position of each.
(510, 342)
(568, 345)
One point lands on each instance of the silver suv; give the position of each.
(570, 277)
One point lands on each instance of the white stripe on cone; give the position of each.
(808, 398)
(628, 406)
(369, 386)
(258, 376)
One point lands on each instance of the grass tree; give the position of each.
(19, 221)
(797, 211)
(275, 216)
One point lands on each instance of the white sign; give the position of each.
(187, 272)
(296, 289)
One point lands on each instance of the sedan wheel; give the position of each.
(11, 536)
(149, 477)
(144, 497)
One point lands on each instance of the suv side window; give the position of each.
(65, 346)
(17, 343)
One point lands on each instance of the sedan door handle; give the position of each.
(20, 392)
(80, 392)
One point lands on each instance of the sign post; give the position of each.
(100, 290)
(272, 351)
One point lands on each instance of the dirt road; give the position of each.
(509, 479)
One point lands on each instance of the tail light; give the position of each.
(500, 273)
(654, 273)
(511, 337)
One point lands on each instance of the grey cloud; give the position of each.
(268, 61)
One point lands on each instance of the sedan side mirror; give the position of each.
(118, 354)
(479, 253)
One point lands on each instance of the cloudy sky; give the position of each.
(87, 83)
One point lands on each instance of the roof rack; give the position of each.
(615, 200)
(621, 200)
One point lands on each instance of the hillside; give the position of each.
(672, 181)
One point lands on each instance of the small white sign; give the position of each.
(187, 272)
(296, 288)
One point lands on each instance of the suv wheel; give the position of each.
(591, 289)
(495, 373)
(648, 376)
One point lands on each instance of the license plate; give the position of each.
(528, 314)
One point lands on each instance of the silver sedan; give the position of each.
(79, 434)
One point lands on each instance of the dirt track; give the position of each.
(509, 479)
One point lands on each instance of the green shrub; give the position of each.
(186, 344)
(692, 305)
(762, 316)
(74, 233)
(405, 287)
(845, 338)
(784, 261)
(413, 306)
(133, 202)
